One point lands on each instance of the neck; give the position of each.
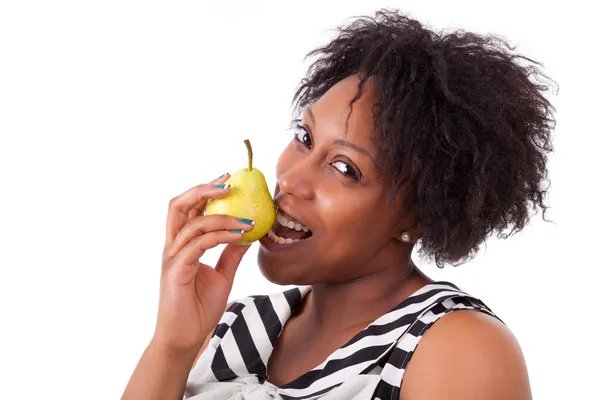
(356, 303)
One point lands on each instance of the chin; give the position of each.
(281, 273)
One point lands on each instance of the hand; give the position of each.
(193, 295)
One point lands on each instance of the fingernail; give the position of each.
(247, 221)
(222, 176)
(237, 231)
(222, 185)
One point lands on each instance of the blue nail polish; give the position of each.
(247, 221)
(222, 185)
(237, 231)
(222, 176)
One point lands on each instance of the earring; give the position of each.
(405, 237)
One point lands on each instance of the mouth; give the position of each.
(287, 230)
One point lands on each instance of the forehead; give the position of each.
(332, 112)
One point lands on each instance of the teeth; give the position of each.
(291, 224)
(276, 239)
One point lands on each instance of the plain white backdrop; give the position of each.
(110, 108)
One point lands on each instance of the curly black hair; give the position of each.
(459, 115)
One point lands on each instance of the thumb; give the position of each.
(230, 260)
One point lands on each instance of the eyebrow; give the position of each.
(342, 142)
(345, 143)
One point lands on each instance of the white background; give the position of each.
(110, 108)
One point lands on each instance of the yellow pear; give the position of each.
(249, 198)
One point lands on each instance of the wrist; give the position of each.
(161, 373)
(173, 353)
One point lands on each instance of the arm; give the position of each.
(467, 355)
(193, 295)
(163, 373)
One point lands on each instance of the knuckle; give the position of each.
(168, 254)
(199, 240)
(199, 223)
(199, 219)
(209, 240)
(173, 202)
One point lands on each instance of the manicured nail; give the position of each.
(222, 176)
(222, 185)
(237, 231)
(247, 221)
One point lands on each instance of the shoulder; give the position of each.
(467, 354)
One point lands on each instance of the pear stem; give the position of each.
(249, 147)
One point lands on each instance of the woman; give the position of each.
(405, 136)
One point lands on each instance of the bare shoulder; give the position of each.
(467, 355)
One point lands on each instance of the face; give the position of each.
(327, 182)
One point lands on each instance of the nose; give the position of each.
(297, 181)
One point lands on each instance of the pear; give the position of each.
(249, 198)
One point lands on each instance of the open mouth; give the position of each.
(286, 230)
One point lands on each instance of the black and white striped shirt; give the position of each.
(371, 365)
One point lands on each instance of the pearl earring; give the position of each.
(405, 237)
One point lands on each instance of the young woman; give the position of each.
(405, 137)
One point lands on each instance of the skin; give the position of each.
(355, 228)
(355, 262)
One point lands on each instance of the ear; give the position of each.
(408, 234)
(407, 229)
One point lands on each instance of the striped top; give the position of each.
(371, 365)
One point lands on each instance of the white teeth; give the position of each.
(291, 224)
(276, 239)
(282, 220)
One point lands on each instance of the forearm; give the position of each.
(160, 374)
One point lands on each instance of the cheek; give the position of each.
(356, 218)
(343, 212)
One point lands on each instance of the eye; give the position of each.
(347, 169)
(301, 134)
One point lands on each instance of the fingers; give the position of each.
(190, 254)
(199, 209)
(230, 260)
(193, 200)
(203, 225)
